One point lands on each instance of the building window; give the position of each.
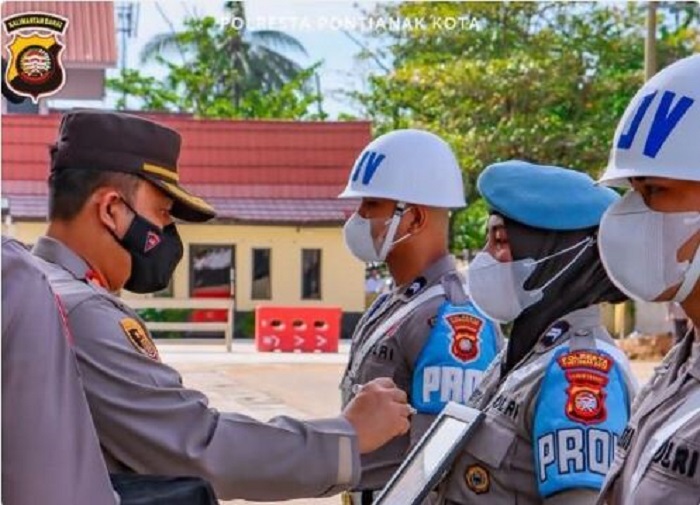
(311, 274)
(212, 275)
(212, 271)
(262, 280)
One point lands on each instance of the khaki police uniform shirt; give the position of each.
(148, 422)
(672, 473)
(50, 451)
(394, 355)
(498, 463)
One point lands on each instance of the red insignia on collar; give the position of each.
(95, 277)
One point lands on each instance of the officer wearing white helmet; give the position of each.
(425, 334)
(560, 394)
(649, 244)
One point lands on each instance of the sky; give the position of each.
(316, 24)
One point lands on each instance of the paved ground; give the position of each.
(270, 384)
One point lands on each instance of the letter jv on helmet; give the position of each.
(666, 118)
(368, 165)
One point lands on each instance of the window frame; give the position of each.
(320, 273)
(233, 283)
(253, 294)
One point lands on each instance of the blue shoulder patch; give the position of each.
(582, 409)
(460, 347)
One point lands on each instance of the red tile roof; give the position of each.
(247, 210)
(90, 38)
(272, 171)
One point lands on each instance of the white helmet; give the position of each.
(659, 134)
(411, 166)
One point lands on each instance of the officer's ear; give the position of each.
(110, 209)
(418, 218)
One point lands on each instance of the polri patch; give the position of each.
(139, 338)
(477, 479)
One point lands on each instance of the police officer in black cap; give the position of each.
(50, 451)
(114, 193)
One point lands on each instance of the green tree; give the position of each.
(469, 227)
(208, 83)
(254, 60)
(545, 82)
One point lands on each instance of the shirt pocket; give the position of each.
(491, 443)
(382, 361)
(673, 474)
(657, 487)
(486, 453)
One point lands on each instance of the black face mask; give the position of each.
(154, 254)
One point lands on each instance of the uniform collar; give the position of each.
(687, 344)
(584, 318)
(428, 277)
(442, 266)
(578, 323)
(55, 251)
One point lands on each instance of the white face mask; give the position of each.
(639, 249)
(497, 289)
(358, 236)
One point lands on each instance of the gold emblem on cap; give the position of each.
(161, 172)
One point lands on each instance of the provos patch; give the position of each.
(477, 479)
(139, 338)
(587, 374)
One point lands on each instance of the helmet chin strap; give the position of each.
(391, 232)
(691, 278)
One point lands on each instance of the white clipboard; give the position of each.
(432, 457)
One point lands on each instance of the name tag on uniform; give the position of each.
(432, 457)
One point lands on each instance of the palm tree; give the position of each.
(255, 54)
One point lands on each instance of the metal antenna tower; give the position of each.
(127, 27)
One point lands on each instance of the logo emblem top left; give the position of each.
(34, 50)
